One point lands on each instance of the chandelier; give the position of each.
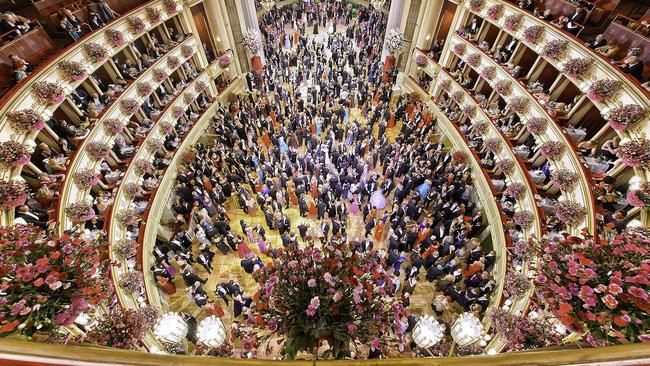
(427, 332)
(466, 329)
(211, 332)
(170, 328)
(377, 4)
(267, 4)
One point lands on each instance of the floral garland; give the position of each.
(48, 93)
(495, 12)
(98, 150)
(169, 6)
(597, 286)
(459, 157)
(488, 72)
(521, 332)
(130, 322)
(421, 60)
(635, 152)
(143, 166)
(503, 86)
(85, 178)
(515, 284)
(189, 97)
(25, 120)
(224, 61)
(512, 22)
(626, 116)
(519, 104)
(127, 217)
(524, 218)
(200, 86)
(640, 197)
(13, 154)
(473, 59)
(537, 125)
(187, 51)
(155, 144)
(523, 250)
(515, 190)
(506, 166)
(124, 249)
(564, 179)
(533, 33)
(132, 190)
(115, 37)
(13, 193)
(129, 106)
(555, 49)
(173, 62)
(577, 67)
(469, 111)
(80, 211)
(492, 144)
(144, 88)
(132, 282)
(159, 74)
(480, 127)
(251, 40)
(570, 212)
(96, 52)
(113, 126)
(552, 150)
(72, 70)
(604, 89)
(136, 25)
(394, 42)
(475, 5)
(459, 49)
(458, 96)
(153, 14)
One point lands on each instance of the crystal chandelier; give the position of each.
(427, 332)
(466, 329)
(377, 4)
(267, 4)
(170, 328)
(211, 332)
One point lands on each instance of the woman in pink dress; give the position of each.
(242, 248)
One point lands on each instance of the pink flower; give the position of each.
(328, 278)
(352, 328)
(314, 304)
(311, 282)
(293, 264)
(615, 289)
(374, 344)
(638, 292)
(610, 301)
(337, 296)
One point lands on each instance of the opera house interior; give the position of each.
(303, 182)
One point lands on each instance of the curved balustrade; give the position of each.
(70, 193)
(582, 192)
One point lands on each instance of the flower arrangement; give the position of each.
(469, 111)
(72, 70)
(13, 154)
(639, 197)
(506, 166)
(445, 84)
(519, 104)
(570, 212)
(524, 218)
(635, 152)
(131, 324)
(173, 62)
(480, 127)
(515, 190)
(488, 72)
(113, 126)
(48, 93)
(515, 284)
(394, 42)
(153, 14)
(144, 88)
(85, 178)
(604, 89)
(13, 193)
(200, 86)
(503, 86)
(159, 74)
(251, 40)
(127, 217)
(608, 301)
(492, 144)
(166, 127)
(421, 60)
(155, 144)
(150, 315)
(47, 281)
(115, 37)
(96, 51)
(495, 12)
(178, 111)
(473, 59)
(537, 125)
(169, 6)
(459, 157)
(564, 179)
(129, 106)
(143, 166)
(523, 250)
(533, 33)
(475, 5)
(626, 116)
(124, 249)
(577, 67)
(25, 120)
(132, 282)
(458, 96)
(136, 25)
(187, 51)
(552, 150)
(512, 22)
(311, 295)
(555, 49)
(224, 61)
(80, 211)
(459, 49)
(98, 150)
(189, 97)
(132, 190)
(521, 333)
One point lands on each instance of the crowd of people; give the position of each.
(305, 158)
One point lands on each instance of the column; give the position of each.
(219, 24)
(250, 22)
(429, 18)
(394, 21)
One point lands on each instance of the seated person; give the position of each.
(633, 66)
(599, 41)
(609, 50)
